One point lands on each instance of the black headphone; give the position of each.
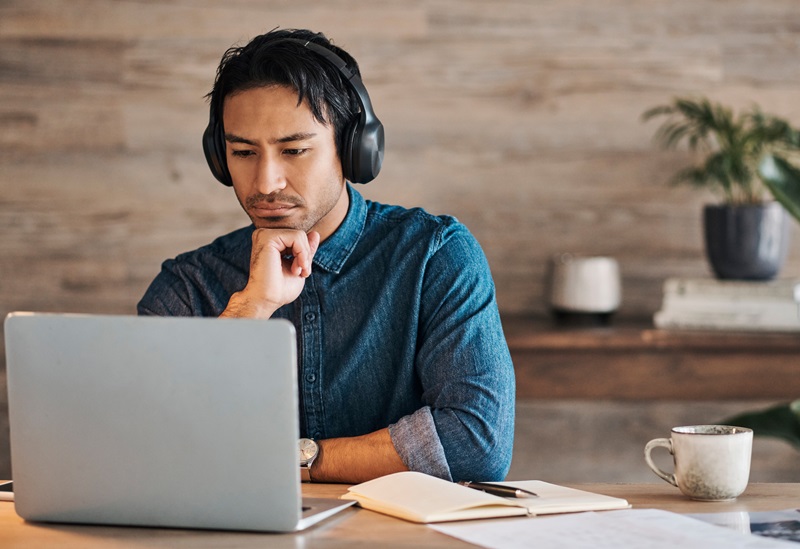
(362, 143)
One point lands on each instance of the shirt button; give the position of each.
(311, 317)
(311, 378)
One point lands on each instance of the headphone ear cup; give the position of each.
(214, 149)
(348, 153)
(365, 151)
(371, 149)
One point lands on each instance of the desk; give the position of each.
(355, 527)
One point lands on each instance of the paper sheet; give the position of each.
(628, 529)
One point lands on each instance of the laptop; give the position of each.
(152, 421)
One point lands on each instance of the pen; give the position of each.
(499, 489)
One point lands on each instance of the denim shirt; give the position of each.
(397, 326)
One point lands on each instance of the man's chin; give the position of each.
(278, 222)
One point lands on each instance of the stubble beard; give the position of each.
(300, 217)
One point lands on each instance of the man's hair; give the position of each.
(271, 60)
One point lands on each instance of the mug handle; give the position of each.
(655, 443)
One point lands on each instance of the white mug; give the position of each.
(585, 284)
(712, 462)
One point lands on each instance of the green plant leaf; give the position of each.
(783, 180)
(657, 111)
(782, 421)
(728, 147)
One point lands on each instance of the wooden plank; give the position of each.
(63, 61)
(534, 335)
(639, 375)
(635, 362)
(236, 20)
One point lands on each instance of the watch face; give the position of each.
(308, 449)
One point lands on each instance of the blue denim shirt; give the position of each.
(397, 326)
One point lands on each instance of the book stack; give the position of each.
(711, 304)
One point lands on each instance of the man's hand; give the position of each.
(280, 262)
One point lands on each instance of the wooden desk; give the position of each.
(354, 527)
(634, 361)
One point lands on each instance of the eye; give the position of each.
(242, 153)
(295, 152)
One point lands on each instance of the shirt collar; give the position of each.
(334, 251)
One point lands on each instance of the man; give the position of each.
(402, 359)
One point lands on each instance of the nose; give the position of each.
(270, 175)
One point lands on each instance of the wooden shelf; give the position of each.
(633, 361)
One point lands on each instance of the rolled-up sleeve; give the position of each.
(417, 442)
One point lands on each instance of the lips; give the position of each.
(271, 209)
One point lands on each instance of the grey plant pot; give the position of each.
(746, 242)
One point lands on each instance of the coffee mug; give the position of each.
(712, 462)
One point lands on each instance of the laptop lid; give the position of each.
(152, 421)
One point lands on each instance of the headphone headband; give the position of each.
(363, 140)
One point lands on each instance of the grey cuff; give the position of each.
(417, 442)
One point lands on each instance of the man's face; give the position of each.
(283, 162)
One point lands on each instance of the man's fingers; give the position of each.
(304, 252)
(296, 246)
(313, 242)
(301, 265)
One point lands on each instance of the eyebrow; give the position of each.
(299, 136)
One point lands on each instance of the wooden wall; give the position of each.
(520, 117)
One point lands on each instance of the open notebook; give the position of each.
(417, 497)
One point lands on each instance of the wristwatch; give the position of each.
(309, 450)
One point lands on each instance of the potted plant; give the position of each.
(746, 235)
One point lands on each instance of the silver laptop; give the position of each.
(167, 422)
